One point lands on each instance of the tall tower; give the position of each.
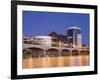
(74, 36)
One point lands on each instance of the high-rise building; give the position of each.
(74, 36)
(79, 40)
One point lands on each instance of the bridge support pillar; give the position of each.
(44, 54)
(79, 52)
(70, 52)
(59, 54)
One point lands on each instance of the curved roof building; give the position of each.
(74, 27)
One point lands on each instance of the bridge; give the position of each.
(41, 51)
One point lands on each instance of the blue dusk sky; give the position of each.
(42, 23)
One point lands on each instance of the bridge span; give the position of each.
(41, 51)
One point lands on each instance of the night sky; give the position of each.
(42, 23)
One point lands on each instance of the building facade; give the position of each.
(38, 40)
(74, 36)
(72, 39)
(42, 40)
(58, 39)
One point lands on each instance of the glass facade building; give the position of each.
(74, 36)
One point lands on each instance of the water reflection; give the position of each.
(60, 61)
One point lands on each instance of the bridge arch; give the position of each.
(65, 52)
(37, 52)
(52, 52)
(75, 52)
(84, 52)
(27, 53)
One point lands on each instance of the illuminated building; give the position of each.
(74, 36)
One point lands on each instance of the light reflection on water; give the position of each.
(66, 61)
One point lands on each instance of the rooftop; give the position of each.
(74, 27)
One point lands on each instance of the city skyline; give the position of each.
(42, 23)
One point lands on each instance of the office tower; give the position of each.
(74, 36)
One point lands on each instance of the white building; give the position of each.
(79, 40)
(42, 40)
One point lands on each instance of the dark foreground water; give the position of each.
(66, 61)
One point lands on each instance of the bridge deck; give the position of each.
(50, 47)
